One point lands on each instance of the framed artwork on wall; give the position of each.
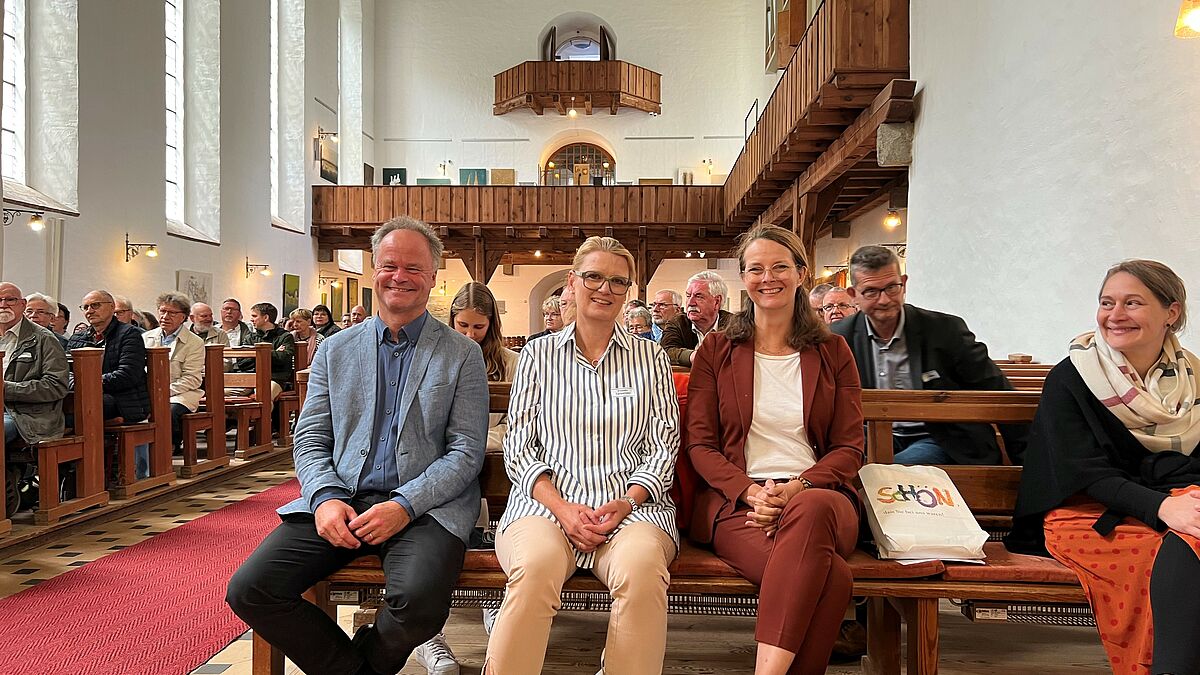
(291, 295)
(395, 176)
(433, 181)
(196, 285)
(472, 177)
(329, 159)
(325, 299)
(335, 305)
(367, 300)
(504, 176)
(351, 293)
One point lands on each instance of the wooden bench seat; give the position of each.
(289, 401)
(251, 414)
(155, 432)
(209, 418)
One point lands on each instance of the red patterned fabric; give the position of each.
(1115, 573)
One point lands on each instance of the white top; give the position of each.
(777, 445)
(593, 429)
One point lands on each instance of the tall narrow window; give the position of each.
(13, 130)
(174, 111)
(273, 133)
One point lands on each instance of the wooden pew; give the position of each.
(1026, 376)
(289, 401)
(155, 432)
(84, 444)
(253, 411)
(5, 519)
(210, 419)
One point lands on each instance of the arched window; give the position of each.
(579, 164)
(578, 48)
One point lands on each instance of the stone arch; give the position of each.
(543, 289)
(569, 136)
(571, 24)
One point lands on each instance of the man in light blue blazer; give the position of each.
(388, 450)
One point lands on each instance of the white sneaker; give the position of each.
(436, 656)
(489, 618)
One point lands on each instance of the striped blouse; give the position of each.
(595, 430)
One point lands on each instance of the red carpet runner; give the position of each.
(155, 607)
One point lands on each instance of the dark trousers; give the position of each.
(803, 578)
(1175, 606)
(421, 565)
(178, 410)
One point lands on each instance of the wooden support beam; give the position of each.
(559, 105)
(587, 104)
(476, 231)
(872, 200)
(814, 209)
(510, 232)
(543, 232)
(443, 232)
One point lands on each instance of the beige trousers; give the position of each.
(538, 559)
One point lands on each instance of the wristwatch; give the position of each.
(633, 504)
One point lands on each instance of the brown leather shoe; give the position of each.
(851, 642)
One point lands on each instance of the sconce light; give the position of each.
(322, 135)
(251, 268)
(332, 281)
(892, 219)
(442, 290)
(900, 249)
(444, 167)
(571, 113)
(36, 223)
(132, 249)
(700, 253)
(687, 254)
(549, 165)
(1188, 24)
(708, 164)
(831, 270)
(605, 165)
(537, 253)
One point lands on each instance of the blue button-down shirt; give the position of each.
(380, 473)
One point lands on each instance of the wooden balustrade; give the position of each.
(583, 85)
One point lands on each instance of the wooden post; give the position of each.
(5, 521)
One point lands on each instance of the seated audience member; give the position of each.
(124, 310)
(1112, 473)
(62, 319)
(124, 367)
(303, 331)
(346, 323)
(836, 305)
(186, 357)
(41, 310)
(145, 320)
(639, 322)
(666, 306)
(358, 314)
(401, 483)
(591, 446)
(900, 346)
(779, 503)
(817, 294)
(35, 373)
(323, 321)
(283, 355)
(566, 304)
(633, 304)
(705, 294)
(551, 317)
(289, 324)
(202, 324)
(231, 322)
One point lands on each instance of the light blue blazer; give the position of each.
(443, 410)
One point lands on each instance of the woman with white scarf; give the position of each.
(1112, 475)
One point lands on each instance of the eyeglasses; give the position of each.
(97, 305)
(162, 311)
(11, 301)
(37, 312)
(550, 315)
(892, 291)
(777, 271)
(662, 305)
(594, 281)
(841, 305)
(123, 311)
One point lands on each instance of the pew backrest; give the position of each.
(260, 379)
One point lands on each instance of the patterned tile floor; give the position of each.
(696, 644)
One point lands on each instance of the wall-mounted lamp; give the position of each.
(444, 167)
(892, 219)
(322, 135)
(831, 270)
(537, 253)
(132, 249)
(687, 254)
(36, 223)
(263, 269)
(1188, 23)
(708, 164)
(549, 165)
(900, 249)
(442, 290)
(333, 282)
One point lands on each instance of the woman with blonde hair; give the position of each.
(304, 331)
(775, 432)
(1112, 472)
(591, 447)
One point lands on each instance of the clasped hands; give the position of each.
(340, 525)
(766, 503)
(587, 528)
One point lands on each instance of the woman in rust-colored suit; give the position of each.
(775, 431)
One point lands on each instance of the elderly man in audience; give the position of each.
(551, 317)
(836, 305)
(231, 322)
(358, 314)
(705, 294)
(639, 322)
(124, 310)
(566, 305)
(124, 367)
(303, 331)
(901, 346)
(61, 320)
(283, 354)
(665, 307)
(400, 482)
(817, 294)
(35, 373)
(201, 316)
(187, 358)
(346, 323)
(41, 310)
(323, 321)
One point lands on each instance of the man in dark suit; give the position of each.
(124, 369)
(899, 346)
(705, 294)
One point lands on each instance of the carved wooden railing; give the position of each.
(582, 85)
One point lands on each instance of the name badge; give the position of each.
(623, 392)
(929, 375)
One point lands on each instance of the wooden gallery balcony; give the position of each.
(582, 85)
(486, 226)
(845, 79)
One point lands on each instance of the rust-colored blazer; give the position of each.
(720, 406)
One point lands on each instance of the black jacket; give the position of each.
(680, 340)
(124, 369)
(283, 355)
(943, 354)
